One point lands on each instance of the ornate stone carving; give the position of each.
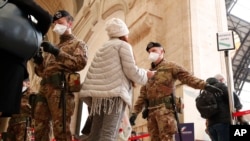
(142, 26)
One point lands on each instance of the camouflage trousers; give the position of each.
(17, 124)
(47, 109)
(162, 124)
(16, 132)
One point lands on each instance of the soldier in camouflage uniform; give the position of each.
(162, 124)
(17, 123)
(59, 61)
(13, 68)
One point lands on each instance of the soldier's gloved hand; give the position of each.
(132, 119)
(213, 89)
(38, 57)
(48, 47)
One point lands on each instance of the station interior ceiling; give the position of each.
(241, 58)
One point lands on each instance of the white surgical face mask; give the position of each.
(60, 29)
(153, 56)
(24, 88)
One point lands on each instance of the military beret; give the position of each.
(61, 13)
(152, 44)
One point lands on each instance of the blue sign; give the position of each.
(187, 132)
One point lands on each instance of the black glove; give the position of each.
(48, 47)
(213, 89)
(38, 57)
(145, 113)
(132, 119)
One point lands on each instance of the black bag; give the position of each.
(18, 33)
(206, 104)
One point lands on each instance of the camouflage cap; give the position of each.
(152, 44)
(61, 13)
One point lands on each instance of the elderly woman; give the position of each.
(109, 82)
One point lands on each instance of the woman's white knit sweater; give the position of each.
(111, 72)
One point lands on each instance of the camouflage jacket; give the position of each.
(71, 58)
(163, 83)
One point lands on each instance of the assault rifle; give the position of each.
(62, 103)
(176, 115)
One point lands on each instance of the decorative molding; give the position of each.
(142, 26)
(83, 21)
(88, 35)
(131, 3)
(85, 24)
(113, 9)
(91, 2)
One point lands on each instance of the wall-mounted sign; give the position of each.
(225, 41)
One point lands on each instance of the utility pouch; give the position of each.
(55, 80)
(179, 104)
(74, 83)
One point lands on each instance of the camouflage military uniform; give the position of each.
(72, 58)
(17, 123)
(161, 120)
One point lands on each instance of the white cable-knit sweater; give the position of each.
(110, 73)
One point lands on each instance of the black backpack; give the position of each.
(206, 104)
